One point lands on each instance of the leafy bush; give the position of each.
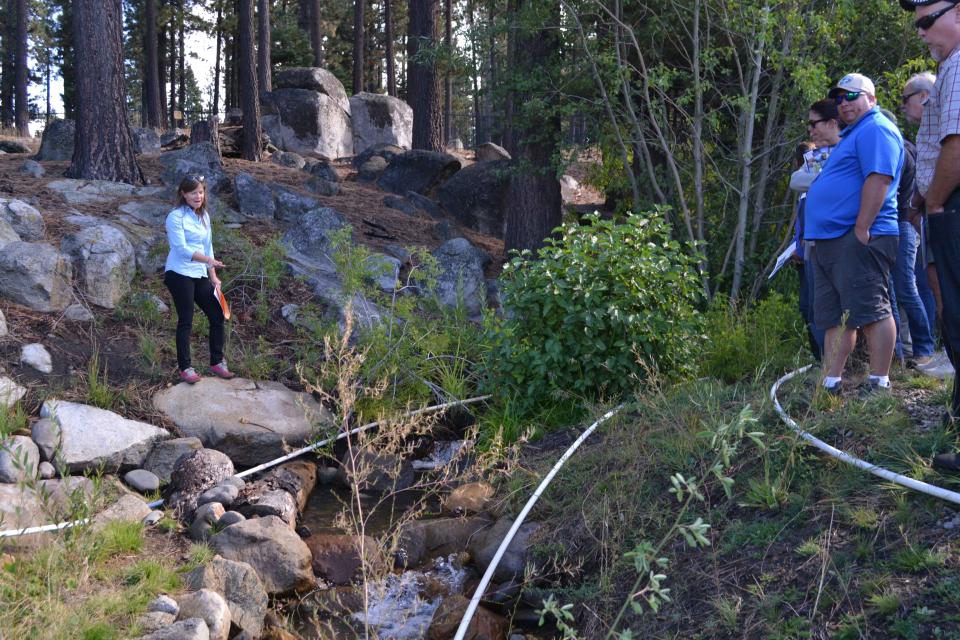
(743, 342)
(603, 306)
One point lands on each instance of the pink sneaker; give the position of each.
(221, 371)
(190, 376)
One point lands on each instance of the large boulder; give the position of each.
(13, 146)
(421, 540)
(201, 160)
(192, 629)
(461, 280)
(418, 170)
(57, 142)
(78, 437)
(10, 391)
(491, 152)
(95, 192)
(254, 197)
(103, 261)
(165, 454)
(276, 553)
(35, 275)
(312, 236)
(241, 588)
(192, 475)
(475, 196)
(291, 206)
(336, 558)
(7, 234)
(148, 239)
(23, 218)
(19, 459)
(145, 141)
(513, 563)
(49, 501)
(380, 119)
(485, 624)
(310, 113)
(209, 606)
(251, 422)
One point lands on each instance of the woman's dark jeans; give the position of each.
(185, 292)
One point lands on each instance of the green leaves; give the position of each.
(603, 306)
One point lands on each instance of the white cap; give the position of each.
(856, 82)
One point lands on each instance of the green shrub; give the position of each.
(603, 306)
(743, 342)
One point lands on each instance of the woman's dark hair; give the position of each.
(826, 110)
(188, 184)
(799, 152)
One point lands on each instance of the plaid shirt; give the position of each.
(941, 118)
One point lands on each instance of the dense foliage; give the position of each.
(606, 305)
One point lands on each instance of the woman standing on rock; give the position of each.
(191, 276)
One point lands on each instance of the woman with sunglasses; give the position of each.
(823, 127)
(191, 276)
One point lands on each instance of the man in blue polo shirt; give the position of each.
(852, 225)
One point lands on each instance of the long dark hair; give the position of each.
(188, 184)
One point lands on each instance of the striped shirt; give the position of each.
(941, 118)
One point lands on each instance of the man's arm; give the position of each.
(871, 199)
(946, 177)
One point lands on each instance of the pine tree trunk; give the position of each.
(172, 59)
(215, 109)
(151, 80)
(182, 79)
(388, 47)
(316, 35)
(447, 77)
(249, 96)
(7, 65)
(533, 204)
(423, 81)
(264, 73)
(162, 54)
(359, 44)
(22, 115)
(103, 145)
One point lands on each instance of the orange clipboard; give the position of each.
(222, 299)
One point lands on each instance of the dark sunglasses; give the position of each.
(927, 21)
(812, 123)
(906, 97)
(849, 96)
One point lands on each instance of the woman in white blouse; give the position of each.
(191, 276)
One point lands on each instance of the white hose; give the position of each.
(886, 474)
(502, 549)
(9, 533)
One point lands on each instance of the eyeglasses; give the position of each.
(927, 21)
(195, 178)
(906, 97)
(813, 123)
(849, 96)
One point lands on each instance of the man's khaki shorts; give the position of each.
(852, 278)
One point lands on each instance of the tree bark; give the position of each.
(249, 96)
(162, 55)
(423, 82)
(22, 114)
(7, 66)
(359, 44)
(181, 61)
(447, 77)
(388, 48)
(316, 34)
(172, 59)
(151, 78)
(215, 110)
(533, 203)
(206, 131)
(103, 145)
(264, 72)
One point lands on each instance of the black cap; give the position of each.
(911, 5)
